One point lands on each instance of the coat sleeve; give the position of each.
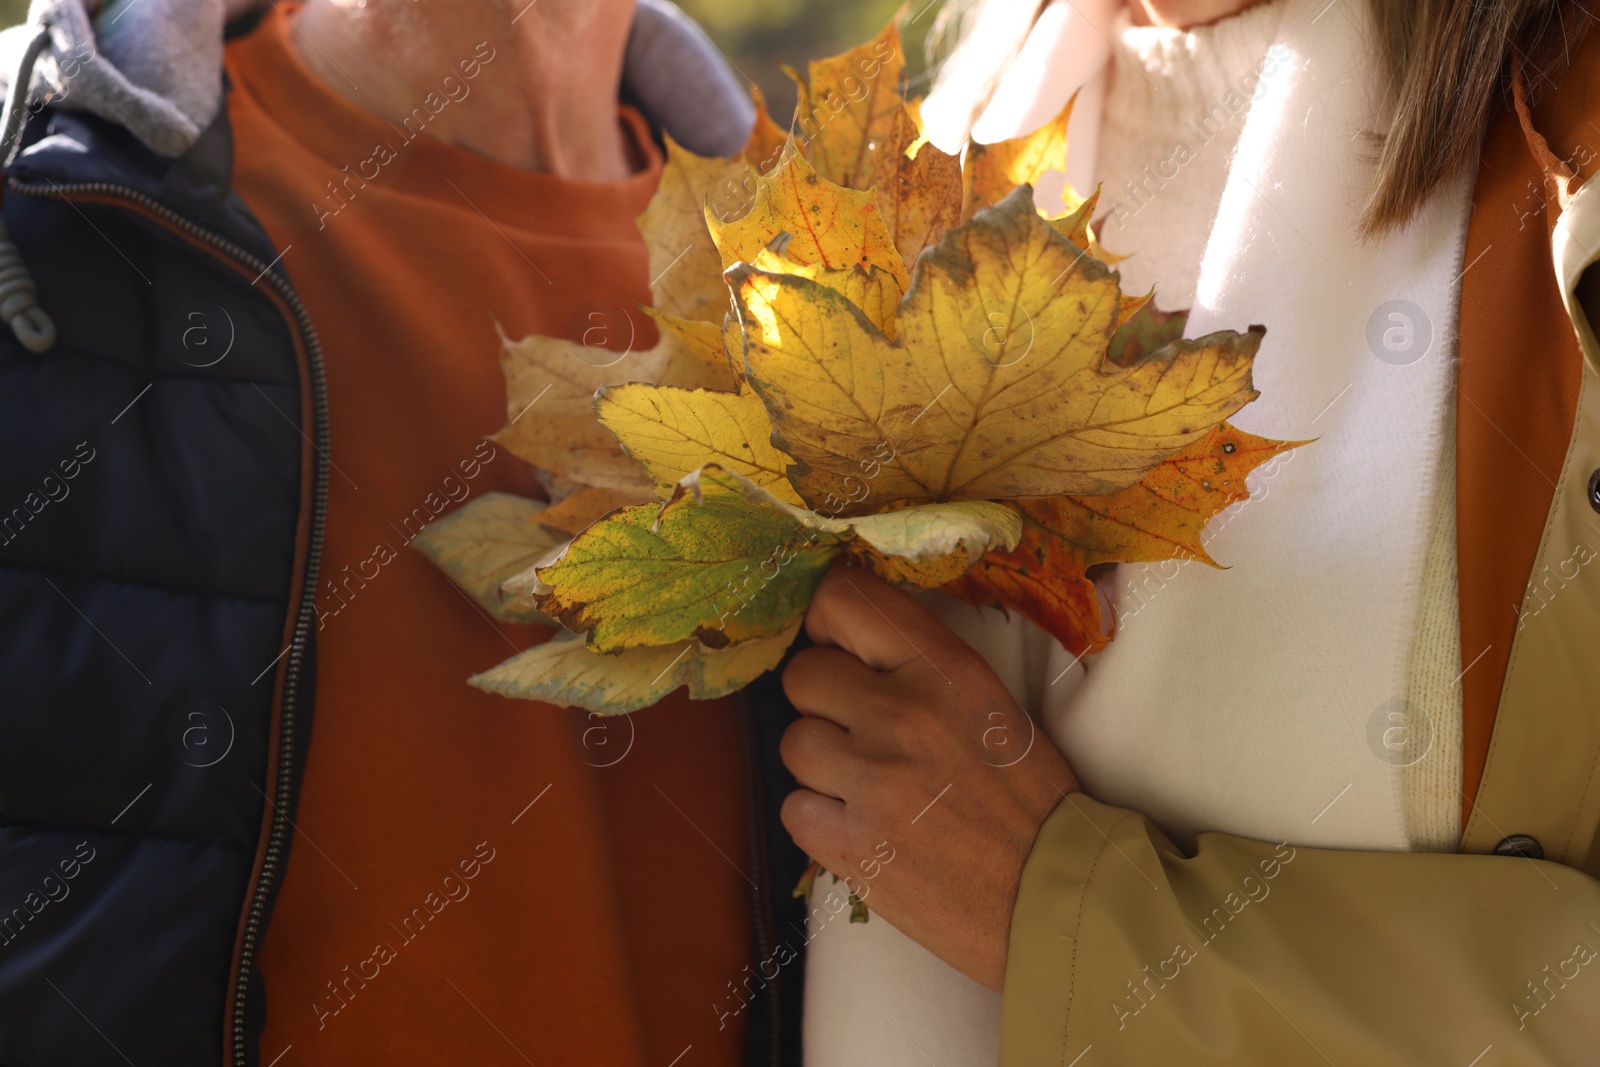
(1126, 950)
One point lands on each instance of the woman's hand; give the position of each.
(910, 747)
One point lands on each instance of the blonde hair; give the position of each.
(1449, 65)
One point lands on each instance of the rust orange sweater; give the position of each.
(473, 880)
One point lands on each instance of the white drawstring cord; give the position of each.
(19, 296)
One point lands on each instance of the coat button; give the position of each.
(1594, 490)
(1520, 845)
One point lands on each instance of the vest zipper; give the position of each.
(294, 667)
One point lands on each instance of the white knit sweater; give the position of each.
(1173, 113)
(1174, 108)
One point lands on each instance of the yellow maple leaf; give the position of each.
(991, 171)
(998, 386)
(875, 291)
(699, 340)
(1076, 224)
(918, 189)
(567, 673)
(767, 139)
(685, 268)
(1161, 518)
(820, 222)
(847, 108)
(550, 385)
(487, 541)
(551, 381)
(671, 432)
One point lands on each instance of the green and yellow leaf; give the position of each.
(573, 514)
(726, 561)
(935, 531)
(721, 562)
(928, 545)
(566, 672)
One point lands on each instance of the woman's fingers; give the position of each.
(818, 754)
(885, 627)
(830, 683)
(816, 823)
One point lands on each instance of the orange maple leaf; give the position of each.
(1160, 518)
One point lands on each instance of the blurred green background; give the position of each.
(757, 35)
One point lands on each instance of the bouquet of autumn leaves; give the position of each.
(869, 348)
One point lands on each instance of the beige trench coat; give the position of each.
(1127, 949)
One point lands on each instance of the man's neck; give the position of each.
(548, 102)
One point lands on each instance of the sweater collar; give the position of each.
(1158, 70)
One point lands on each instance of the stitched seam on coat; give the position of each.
(75, 353)
(108, 831)
(1588, 786)
(1072, 974)
(1588, 783)
(170, 589)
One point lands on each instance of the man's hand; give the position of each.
(908, 738)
